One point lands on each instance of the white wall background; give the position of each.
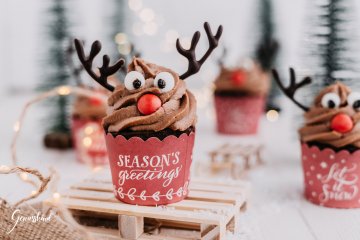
(23, 32)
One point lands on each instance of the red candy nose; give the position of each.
(342, 123)
(148, 104)
(95, 101)
(238, 78)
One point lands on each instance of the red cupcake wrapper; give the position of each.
(89, 141)
(238, 115)
(331, 178)
(150, 172)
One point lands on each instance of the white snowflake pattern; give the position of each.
(131, 194)
(323, 164)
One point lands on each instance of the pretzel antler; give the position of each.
(194, 65)
(105, 70)
(293, 87)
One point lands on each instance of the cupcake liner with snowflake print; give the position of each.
(238, 115)
(152, 171)
(331, 177)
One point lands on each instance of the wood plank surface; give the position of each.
(141, 211)
(184, 205)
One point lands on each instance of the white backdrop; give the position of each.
(24, 39)
(278, 208)
(23, 31)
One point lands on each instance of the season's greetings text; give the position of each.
(134, 167)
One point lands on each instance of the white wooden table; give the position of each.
(277, 209)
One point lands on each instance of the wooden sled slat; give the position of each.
(210, 209)
(109, 197)
(141, 211)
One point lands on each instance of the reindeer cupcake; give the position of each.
(240, 95)
(150, 124)
(330, 143)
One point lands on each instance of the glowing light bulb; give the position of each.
(87, 141)
(121, 38)
(147, 15)
(56, 195)
(272, 115)
(33, 192)
(24, 176)
(135, 5)
(89, 130)
(17, 126)
(64, 90)
(97, 169)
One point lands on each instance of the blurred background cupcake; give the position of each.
(242, 93)
(240, 96)
(87, 131)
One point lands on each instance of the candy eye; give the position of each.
(354, 100)
(164, 81)
(134, 80)
(330, 100)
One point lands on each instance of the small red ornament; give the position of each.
(238, 77)
(95, 101)
(342, 123)
(148, 104)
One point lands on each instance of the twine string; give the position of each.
(44, 180)
(20, 171)
(54, 176)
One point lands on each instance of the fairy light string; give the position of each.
(24, 173)
(44, 180)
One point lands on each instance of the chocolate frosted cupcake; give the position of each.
(330, 144)
(150, 125)
(152, 102)
(240, 95)
(88, 108)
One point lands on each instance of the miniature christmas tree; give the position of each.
(57, 122)
(267, 49)
(332, 42)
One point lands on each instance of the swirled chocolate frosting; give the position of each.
(256, 81)
(177, 111)
(88, 108)
(318, 127)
